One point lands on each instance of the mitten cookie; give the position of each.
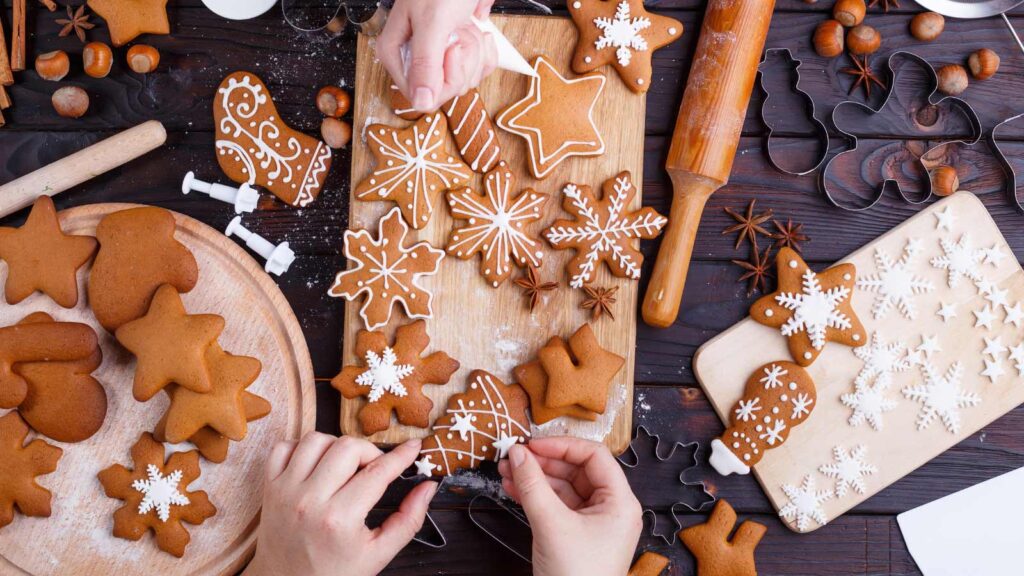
(716, 554)
(580, 375)
(129, 19)
(255, 146)
(811, 309)
(394, 376)
(480, 424)
(621, 33)
(21, 464)
(39, 342)
(605, 230)
(41, 257)
(532, 377)
(778, 397)
(155, 496)
(496, 224)
(138, 253)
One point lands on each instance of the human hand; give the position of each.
(584, 516)
(437, 71)
(316, 496)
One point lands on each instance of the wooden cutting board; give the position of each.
(724, 364)
(492, 329)
(76, 538)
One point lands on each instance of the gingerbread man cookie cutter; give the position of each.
(820, 131)
(332, 22)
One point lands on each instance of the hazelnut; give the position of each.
(849, 13)
(927, 26)
(70, 101)
(336, 133)
(944, 180)
(983, 63)
(143, 58)
(53, 66)
(952, 79)
(828, 39)
(97, 59)
(863, 39)
(333, 101)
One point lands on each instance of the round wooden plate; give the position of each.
(76, 538)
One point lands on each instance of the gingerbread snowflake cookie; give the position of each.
(811, 308)
(393, 377)
(621, 33)
(21, 464)
(496, 225)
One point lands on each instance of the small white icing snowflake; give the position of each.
(773, 432)
(945, 219)
(881, 359)
(960, 260)
(1014, 315)
(801, 406)
(813, 310)
(805, 504)
(946, 311)
(384, 375)
(983, 318)
(773, 376)
(849, 469)
(747, 408)
(941, 396)
(622, 33)
(160, 492)
(993, 370)
(894, 282)
(869, 403)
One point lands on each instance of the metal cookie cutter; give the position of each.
(819, 127)
(1012, 182)
(430, 536)
(369, 20)
(964, 107)
(518, 544)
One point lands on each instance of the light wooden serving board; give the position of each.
(492, 329)
(76, 538)
(724, 364)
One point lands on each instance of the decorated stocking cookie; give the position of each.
(21, 464)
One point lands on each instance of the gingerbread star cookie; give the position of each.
(412, 167)
(811, 309)
(621, 33)
(210, 443)
(581, 374)
(556, 117)
(41, 257)
(129, 19)
(170, 345)
(393, 377)
(21, 464)
(387, 272)
(155, 495)
(532, 377)
(606, 229)
(496, 223)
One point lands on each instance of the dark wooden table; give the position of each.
(204, 48)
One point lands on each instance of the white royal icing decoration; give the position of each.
(1017, 356)
(894, 282)
(805, 504)
(993, 255)
(160, 492)
(383, 374)
(773, 376)
(424, 467)
(960, 260)
(801, 406)
(941, 396)
(947, 311)
(945, 219)
(881, 359)
(773, 432)
(993, 347)
(993, 370)
(813, 310)
(983, 318)
(869, 403)
(1014, 314)
(747, 409)
(849, 469)
(622, 32)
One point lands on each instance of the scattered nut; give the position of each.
(336, 133)
(53, 66)
(849, 13)
(828, 39)
(952, 79)
(70, 102)
(333, 101)
(944, 180)
(143, 58)
(97, 59)
(983, 63)
(863, 39)
(927, 26)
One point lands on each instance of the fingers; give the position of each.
(339, 464)
(367, 487)
(563, 489)
(389, 46)
(278, 459)
(400, 528)
(306, 456)
(598, 464)
(483, 9)
(427, 48)
(535, 495)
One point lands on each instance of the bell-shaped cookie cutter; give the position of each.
(820, 130)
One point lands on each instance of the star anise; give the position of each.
(865, 76)
(533, 286)
(886, 4)
(749, 225)
(599, 301)
(789, 235)
(758, 270)
(77, 22)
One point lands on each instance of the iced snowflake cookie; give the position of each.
(478, 425)
(496, 225)
(534, 379)
(716, 554)
(810, 309)
(777, 397)
(393, 377)
(805, 504)
(556, 118)
(387, 272)
(21, 464)
(621, 33)
(155, 495)
(412, 168)
(605, 230)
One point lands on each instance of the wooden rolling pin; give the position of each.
(706, 136)
(83, 165)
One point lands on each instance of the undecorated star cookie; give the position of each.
(581, 374)
(211, 444)
(393, 377)
(41, 257)
(21, 464)
(716, 553)
(532, 377)
(129, 19)
(156, 496)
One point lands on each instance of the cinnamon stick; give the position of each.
(18, 36)
(6, 75)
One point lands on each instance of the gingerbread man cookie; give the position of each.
(155, 495)
(129, 19)
(716, 553)
(21, 464)
(41, 257)
(532, 377)
(39, 342)
(254, 146)
(496, 225)
(621, 33)
(210, 443)
(393, 378)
